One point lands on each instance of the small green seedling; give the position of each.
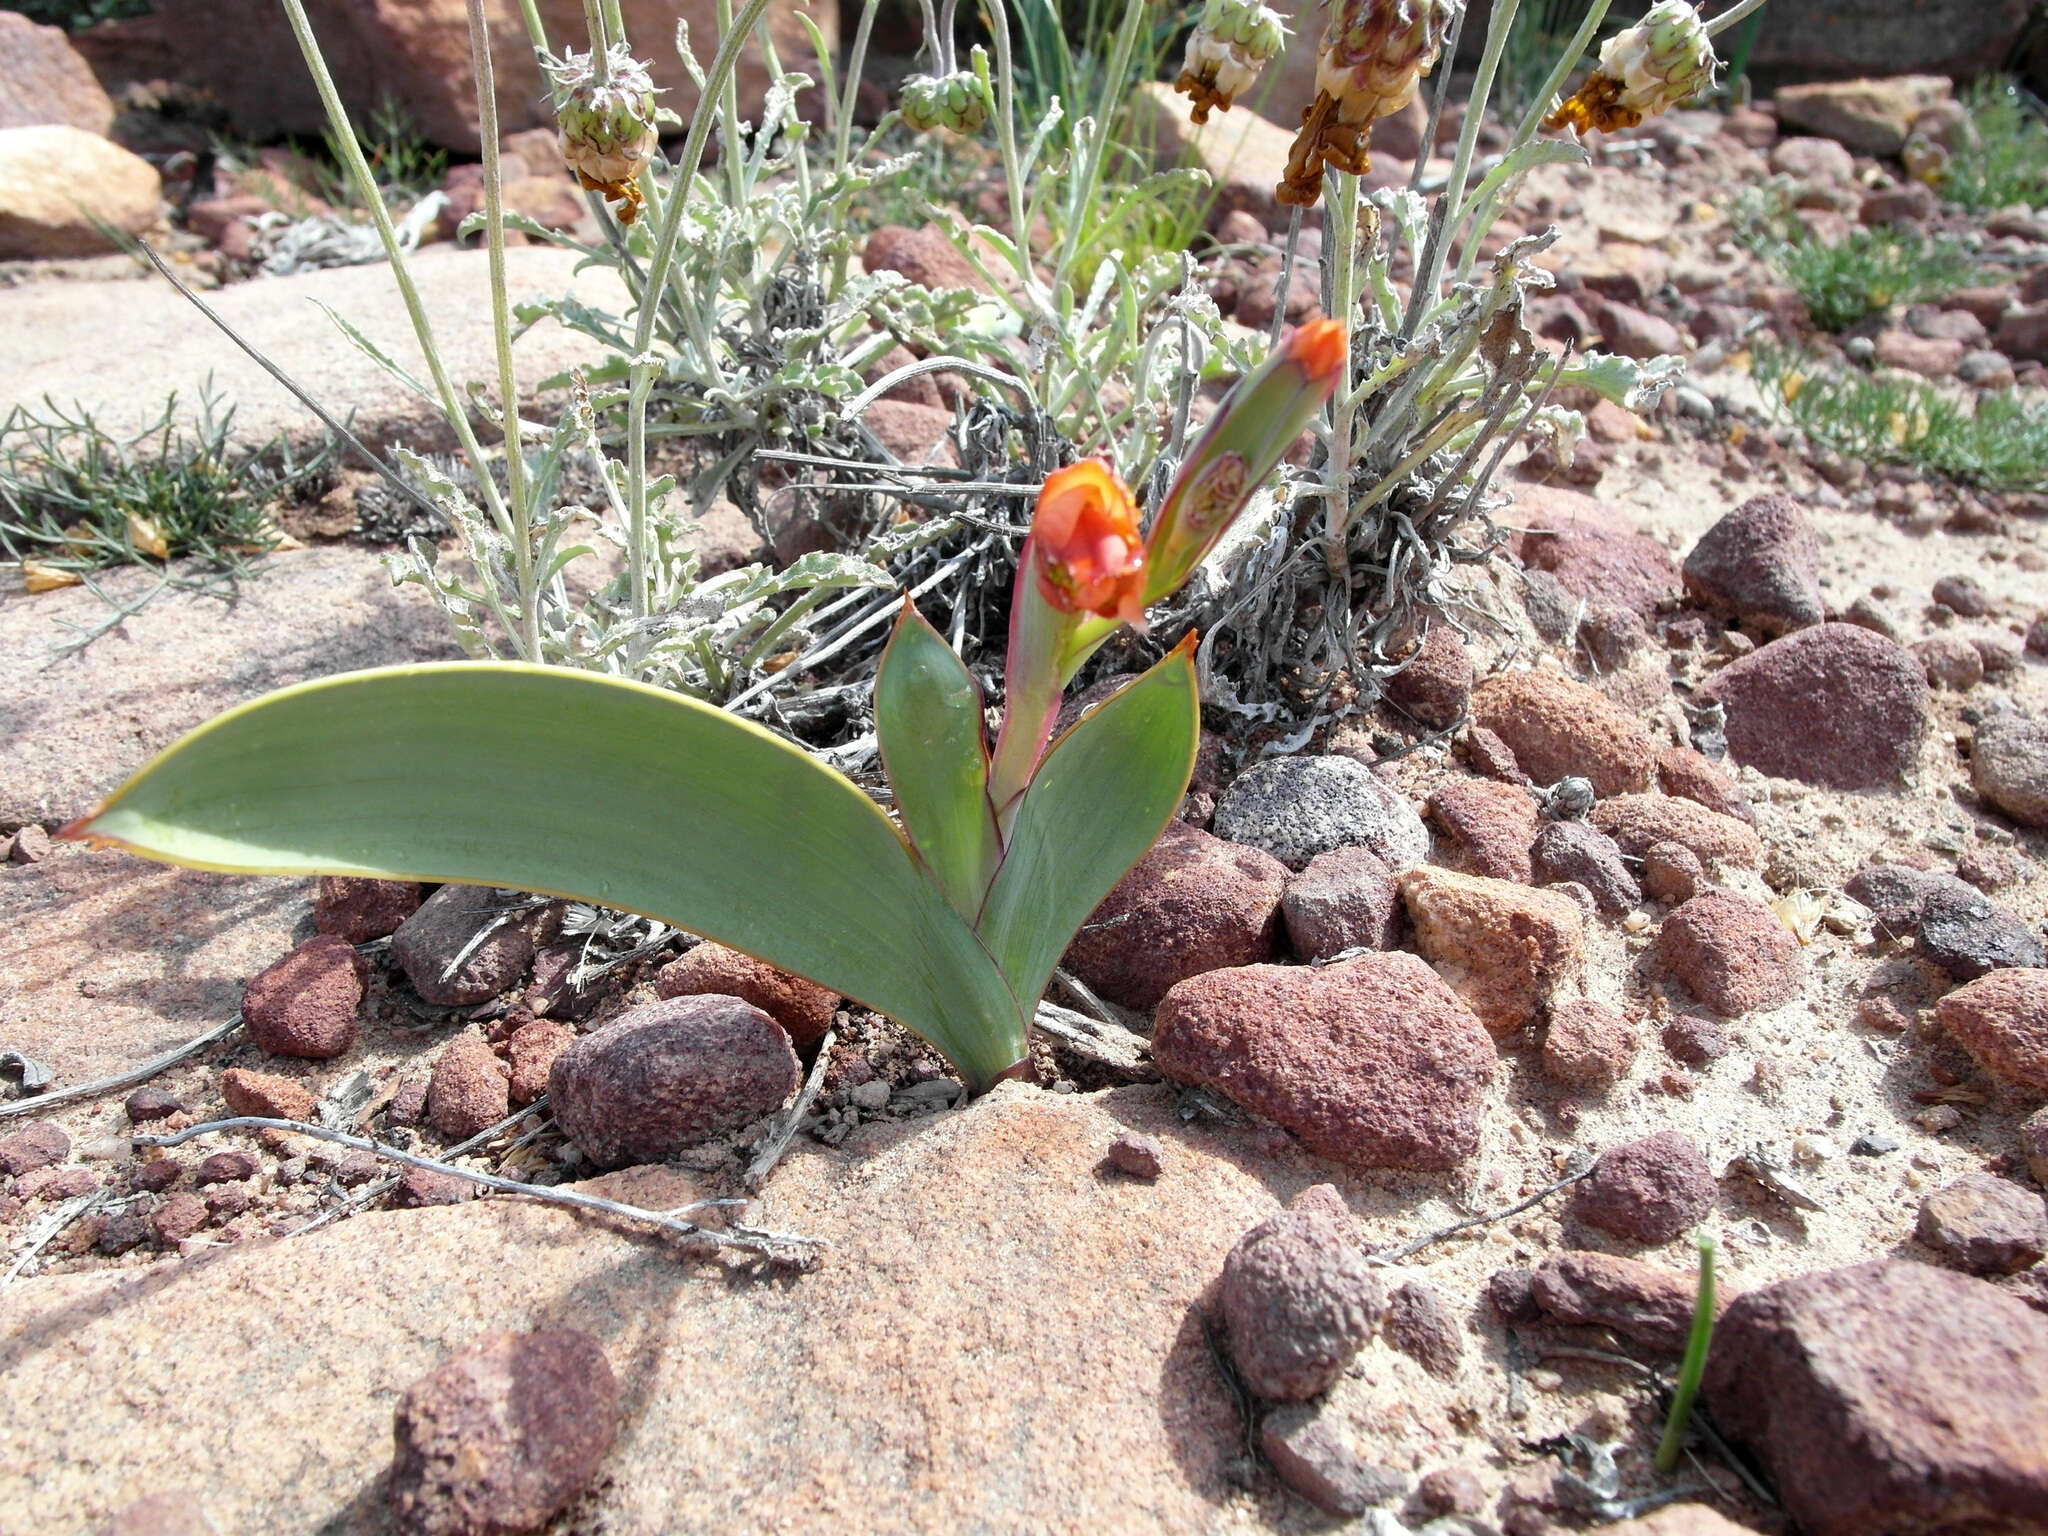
(609, 791)
(1693, 1367)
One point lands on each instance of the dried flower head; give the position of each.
(952, 101)
(1086, 550)
(1232, 42)
(1662, 60)
(1373, 57)
(608, 126)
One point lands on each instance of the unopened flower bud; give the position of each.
(608, 126)
(1086, 552)
(1662, 60)
(1232, 42)
(952, 101)
(1373, 57)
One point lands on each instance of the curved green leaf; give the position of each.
(1102, 796)
(935, 749)
(584, 786)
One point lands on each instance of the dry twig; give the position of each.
(126, 1079)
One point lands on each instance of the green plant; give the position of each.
(76, 15)
(667, 807)
(1540, 30)
(75, 497)
(1999, 440)
(1693, 1366)
(1869, 271)
(2003, 157)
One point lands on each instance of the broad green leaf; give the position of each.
(935, 749)
(591, 787)
(1102, 796)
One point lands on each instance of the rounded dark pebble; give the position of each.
(147, 1103)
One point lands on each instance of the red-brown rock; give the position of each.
(1683, 772)
(468, 1090)
(39, 1144)
(530, 1053)
(1492, 825)
(1298, 1301)
(1731, 952)
(1434, 687)
(305, 1005)
(43, 80)
(439, 950)
(924, 256)
(1592, 550)
(2002, 1020)
(1504, 948)
(1985, 1225)
(803, 1008)
(262, 1093)
(1589, 1045)
(1556, 727)
(1373, 1061)
(1648, 1305)
(1345, 899)
(1647, 1191)
(361, 910)
(1639, 822)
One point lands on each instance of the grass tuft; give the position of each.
(1869, 272)
(2005, 158)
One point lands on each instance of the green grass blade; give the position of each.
(576, 785)
(1102, 796)
(935, 747)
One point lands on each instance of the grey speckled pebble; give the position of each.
(1297, 807)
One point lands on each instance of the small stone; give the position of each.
(801, 1007)
(423, 1186)
(1574, 851)
(1965, 595)
(1345, 899)
(1512, 1291)
(157, 1174)
(1422, 1328)
(1648, 1191)
(1672, 873)
(1298, 1301)
(1679, 1520)
(2002, 1020)
(1967, 935)
(1833, 705)
(1503, 947)
(556, 991)
(55, 1184)
(1872, 1145)
(305, 1005)
(225, 1168)
(1297, 807)
(347, 1166)
(227, 1201)
(1589, 1045)
(1193, 903)
(359, 910)
(1139, 1156)
(1639, 822)
(668, 1075)
(1491, 824)
(409, 1104)
(1985, 1225)
(1451, 1491)
(36, 1145)
(924, 256)
(1556, 728)
(1760, 565)
(1315, 1458)
(1584, 550)
(1694, 1040)
(503, 1434)
(2009, 766)
(1950, 662)
(42, 169)
(1731, 953)
(428, 945)
(29, 845)
(179, 1216)
(530, 1053)
(1685, 773)
(122, 1231)
(259, 1093)
(1434, 687)
(2034, 1145)
(1868, 613)
(1889, 1396)
(1490, 757)
(149, 1103)
(1648, 1305)
(469, 1089)
(1373, 1062)
(1896, 895)
(873, 1094)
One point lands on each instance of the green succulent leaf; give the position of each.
(935, 748)
(576, 785)
(1101, 797)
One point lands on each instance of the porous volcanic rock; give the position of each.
(39, 1144)
(1684, 772)
(503, 1434)
(1590, 550)
(667, 1075)
(1421, 1326)
(1731, 952)
(1492, 825)
(1639, 822)
(2002, 1020)
(1967, 934)
(1985, 1225)
(1436, 684)
(1504, 948)
(305, 1004)
(1588, 1046)
(1889, 1396)
(1373, 1061)
(1949, 661)
(1297, 807)
(1834, 705)
(530, 1054)
(1761, 566)
(1897, 894)
(1193, 903)
(1645, 1303)
(1298, 1301)
(1345, 899)
(428, 945)
(1648, 1191)
(801, 1007)
(1313, 1455)
(469, 1088)
(2009, 766)
(360, 910)
(1556, 728)
(263, 1093)
(1573, 850)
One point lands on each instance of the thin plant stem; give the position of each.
(1006, 139)
(501, 332)
(856, 62)
(614, 22)
(1340, 278)
(1574, 50)
(1083, 198)
(536, 32)
(1728, 18)
(1286, 281)
(1693, 1366)
(600, 45)
(729, 160)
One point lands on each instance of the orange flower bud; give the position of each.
(1087, 552)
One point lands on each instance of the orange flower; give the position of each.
(1087, 553)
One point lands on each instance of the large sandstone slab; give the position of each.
(72, 727)
(1000, 1340)
(54, 342)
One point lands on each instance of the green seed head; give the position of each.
(952, 101)
(1662, 60)
(608, 128)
